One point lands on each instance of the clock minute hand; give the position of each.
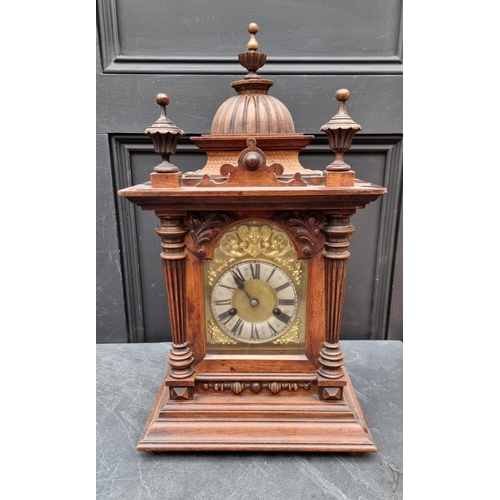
(240, 284)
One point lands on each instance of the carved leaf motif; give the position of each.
(205, 227)
(305, 227)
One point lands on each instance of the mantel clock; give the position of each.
(255, 249)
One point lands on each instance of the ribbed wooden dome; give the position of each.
(252, 113)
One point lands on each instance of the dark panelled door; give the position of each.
(189, 50)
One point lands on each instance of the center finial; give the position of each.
(252, 60)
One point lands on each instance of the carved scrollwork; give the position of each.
(204, 228)
(305, 227)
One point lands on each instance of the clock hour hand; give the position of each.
(241, 285)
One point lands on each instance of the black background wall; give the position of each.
(189, 50)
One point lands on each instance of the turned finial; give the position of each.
(342, 95)
(165, 135)
(252, 60)
(340, 131)
(163, 100)
(253, 28)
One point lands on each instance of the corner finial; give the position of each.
(340, 131)
(165, 135)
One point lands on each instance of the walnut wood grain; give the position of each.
(262, 364)
(195, 320)
(252, 170)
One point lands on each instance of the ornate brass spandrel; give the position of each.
(293, 266)
(215, 267)
(292, 336)
(217, 336)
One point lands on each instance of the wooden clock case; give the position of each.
(262, 400)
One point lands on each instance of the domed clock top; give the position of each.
(253, 110)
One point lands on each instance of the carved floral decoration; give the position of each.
(204, 228)
(305, 227)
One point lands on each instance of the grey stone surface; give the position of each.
(128, 379)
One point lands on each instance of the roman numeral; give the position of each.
(238, 326)
(255, 269)
(272, 272)
(282, 287)
(225, 302)
(275, 332)
(254, 334)
(225, 316)
(237, 274)
(286, 302)
(283, 317)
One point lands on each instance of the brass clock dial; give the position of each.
(255, 292)
(254, 301)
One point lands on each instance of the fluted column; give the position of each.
(337, 230)
(172, 232)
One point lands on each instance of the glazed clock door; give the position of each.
(255, 291)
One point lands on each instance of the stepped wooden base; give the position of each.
(286, 421)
